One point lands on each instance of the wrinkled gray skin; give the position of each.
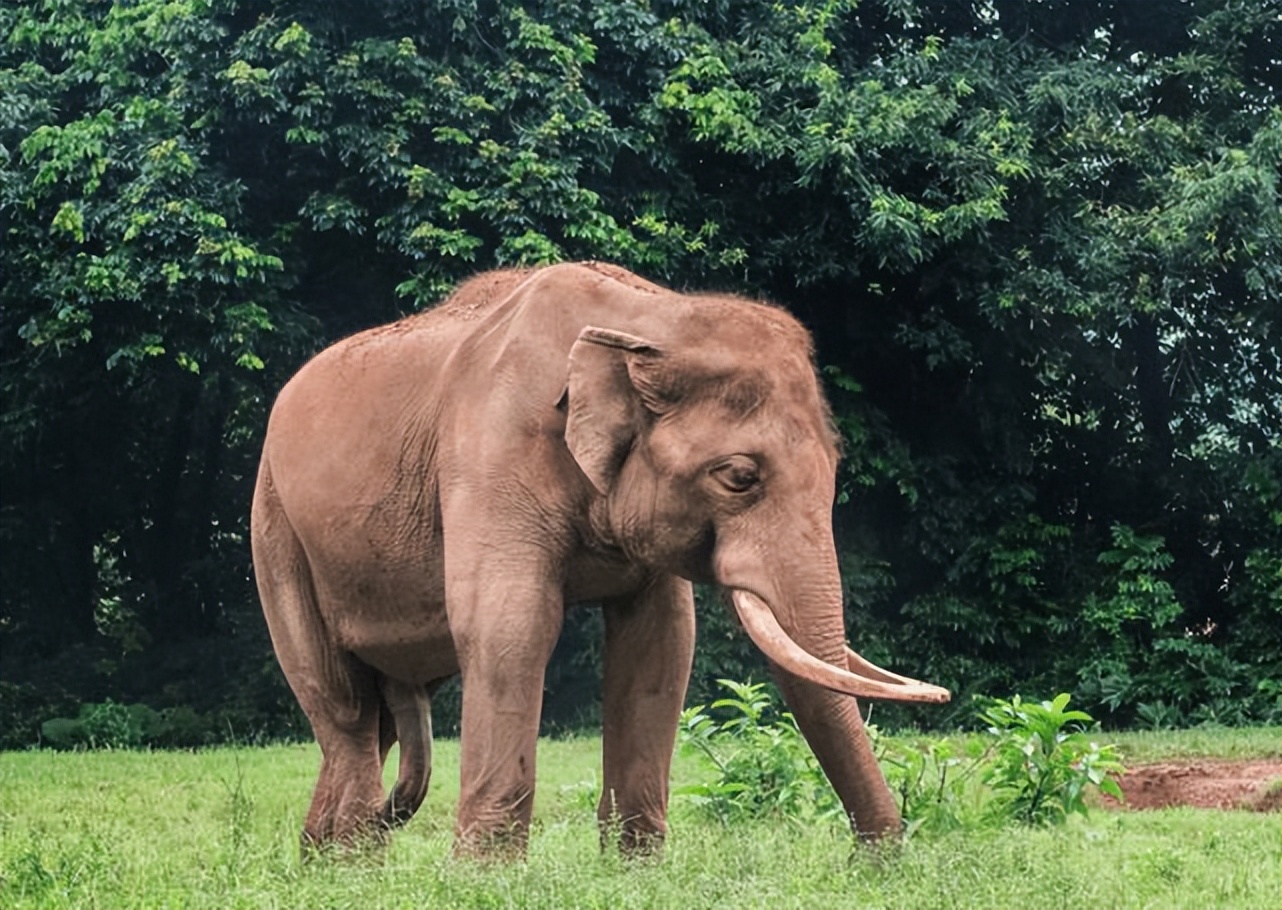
(433, 494)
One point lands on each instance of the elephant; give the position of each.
(434, 493)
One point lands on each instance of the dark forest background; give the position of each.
(1039, 244)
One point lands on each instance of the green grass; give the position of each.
(1143, 747)
(219, 829)
(1199, 742)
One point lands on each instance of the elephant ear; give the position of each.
(611, 389)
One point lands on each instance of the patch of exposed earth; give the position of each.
(1204, 783)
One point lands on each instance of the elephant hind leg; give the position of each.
(407, 717)
(337, 692)
(344, 716)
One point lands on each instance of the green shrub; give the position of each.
(63, 733)
(182, 728)
(1044, 761)
(1035, 765)
(761, 763)
(111, 725)
(935, 781)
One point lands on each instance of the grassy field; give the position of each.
(219, 829)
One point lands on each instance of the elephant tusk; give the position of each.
(762, 626)
(861, 666)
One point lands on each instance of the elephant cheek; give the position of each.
(656, 528)
(632, 519)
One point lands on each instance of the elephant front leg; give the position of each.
(649, 649)
(504, 633)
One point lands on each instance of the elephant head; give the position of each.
(715, 458)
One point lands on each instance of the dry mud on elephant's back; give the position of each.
(1206, 784)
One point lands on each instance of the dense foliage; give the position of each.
(1037, 765)
(1039, 244)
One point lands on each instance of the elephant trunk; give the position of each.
(829, 718)
(799, 625)
(832, 725)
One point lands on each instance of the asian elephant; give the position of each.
(433, 494)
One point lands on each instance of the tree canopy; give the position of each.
(1039, 244)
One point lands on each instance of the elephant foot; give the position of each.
(880, 852)
(364, 842)
(345, 824)
(637, 833)
(634, 845)
(634, 838)
(501, 846)
(495, 825)
(884, 834)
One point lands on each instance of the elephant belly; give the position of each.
(414, 650)
(393, 622)
(416, 663)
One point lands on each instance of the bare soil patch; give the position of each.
(1204, 783)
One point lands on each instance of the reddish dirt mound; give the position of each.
(1205, 784)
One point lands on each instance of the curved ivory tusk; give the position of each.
(861, 666)
(763, 628)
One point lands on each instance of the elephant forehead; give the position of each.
(741, 376)
(738, 395)
(778, 408)
(723, 424)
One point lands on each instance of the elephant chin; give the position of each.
(862, 678)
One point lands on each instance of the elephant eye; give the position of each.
(738, 475)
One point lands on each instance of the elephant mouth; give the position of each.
(860, 677)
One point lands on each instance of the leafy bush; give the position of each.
(183, 727)
(111, 725)
(762, 764)
(105, 725)
(1044, 761)
(63, 733)
(935, 781)
(114, 726)
(1035, 765)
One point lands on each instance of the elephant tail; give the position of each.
(406, 718)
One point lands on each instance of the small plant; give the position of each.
(1044, 761)
(762, 765)
(934, 781)
(111, 725)
(240, 816)
(1158, 715)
